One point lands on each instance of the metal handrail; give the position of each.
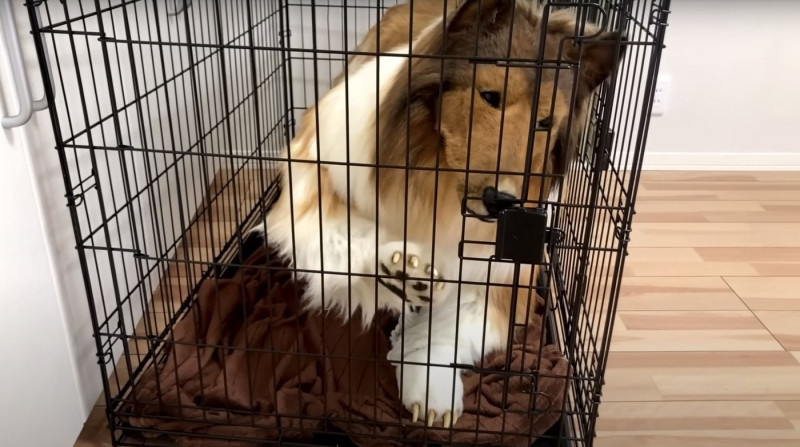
(26, 104)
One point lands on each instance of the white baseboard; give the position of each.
(722, 161)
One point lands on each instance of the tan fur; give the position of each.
(423, 124)
(426, 125)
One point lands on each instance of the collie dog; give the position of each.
(377, 182)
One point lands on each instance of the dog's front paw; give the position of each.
(410, 265)
(433, 392)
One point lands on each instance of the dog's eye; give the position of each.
(492, 98)
(545, 123)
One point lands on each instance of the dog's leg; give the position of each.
(427, 346)
(406, 271)
(341, 271)
(337, 265)
(423, 355)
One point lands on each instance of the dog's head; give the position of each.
(483, 112)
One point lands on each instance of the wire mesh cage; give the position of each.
(232, 168)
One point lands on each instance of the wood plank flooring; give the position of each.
(706, 348)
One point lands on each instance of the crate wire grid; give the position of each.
(170, 114)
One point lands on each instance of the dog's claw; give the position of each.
(414, 412)
(431, 417)
(446, 422)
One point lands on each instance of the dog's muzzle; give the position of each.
(496, 201)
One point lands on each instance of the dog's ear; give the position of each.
(597, 58)
(485, 15)
(468, 23)
(597, 53)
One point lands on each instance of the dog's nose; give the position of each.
(496, 201)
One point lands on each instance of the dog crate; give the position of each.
(170, 117)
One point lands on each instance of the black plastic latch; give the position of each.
(521, 235)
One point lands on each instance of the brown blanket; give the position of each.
(266, 369)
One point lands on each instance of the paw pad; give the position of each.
(405, 268)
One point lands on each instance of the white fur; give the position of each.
(351, 106)
(347, 119)
(457, 336)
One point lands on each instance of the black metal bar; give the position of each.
(49, 92)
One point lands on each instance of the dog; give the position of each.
(418, 148)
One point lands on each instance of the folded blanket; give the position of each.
(247, 362)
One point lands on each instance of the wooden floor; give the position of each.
(706, 348)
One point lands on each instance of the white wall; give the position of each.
(41, 405)
(735, 87)
(37, 380)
